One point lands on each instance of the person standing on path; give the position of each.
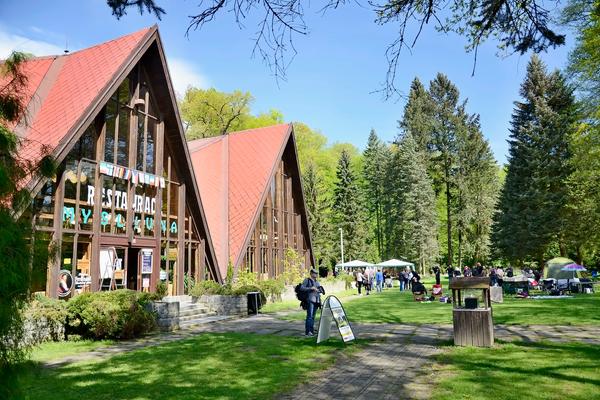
(313, 300)
(379, 280)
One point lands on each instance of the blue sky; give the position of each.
(330, 81)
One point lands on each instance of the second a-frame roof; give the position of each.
(233, 174)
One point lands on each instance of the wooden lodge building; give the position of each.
(253, 199)
(131, 205)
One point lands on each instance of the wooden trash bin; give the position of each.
(473, 325)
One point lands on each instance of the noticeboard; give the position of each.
(146, 261)
(334, 311)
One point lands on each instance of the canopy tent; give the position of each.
(355, 264)
(395, 263)
(553, 269)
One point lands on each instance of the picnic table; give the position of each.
(510, 285)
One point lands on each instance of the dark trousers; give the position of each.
(437, 279)
(311, 311)
(359, 285)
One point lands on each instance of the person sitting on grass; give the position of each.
(418, 289)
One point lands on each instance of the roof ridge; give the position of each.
(257, 129)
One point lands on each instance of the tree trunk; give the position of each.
(448, 214)
(460, 249)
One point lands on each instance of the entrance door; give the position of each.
(133, 269)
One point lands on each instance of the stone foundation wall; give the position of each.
(167, 314)
(225, 305)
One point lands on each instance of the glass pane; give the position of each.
(121, 203)
(139, 165)
(123, 145)
(150, 146)
(44, 204)
(109, 144)
(86, 196)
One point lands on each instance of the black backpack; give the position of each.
(302, 295)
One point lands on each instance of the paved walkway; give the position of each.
(393, 365)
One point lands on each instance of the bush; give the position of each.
(119, 314)
(45, 320)
(205, 287)
(272, 288)
(161, 289)
(243, 290)
(245, 278)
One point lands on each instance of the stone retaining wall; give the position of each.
(167, 314)
(225, 305)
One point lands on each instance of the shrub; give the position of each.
(272, 288)
(119, 314)
(161, 289)
(245, 278)
(243, 290)
(205, 287)
(292, 267)
(45, 320)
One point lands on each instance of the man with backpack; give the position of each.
(311, 290)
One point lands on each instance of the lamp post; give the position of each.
(342, 247)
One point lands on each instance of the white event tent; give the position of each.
(355, 264)
(394, 263)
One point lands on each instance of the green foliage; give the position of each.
(229, 276)
(272, 288)
(212, 113)
(161, 289)
(47, 314)
(118, 314)
(202, 288)
(348, 212)
(533, 205)
(246, 277)
(375, 161)
(21, 257)
(411, 214)
(292, 267)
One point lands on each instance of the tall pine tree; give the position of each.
(348, 212)
(375, 158)
(317, 209)
(414, 226)
(533, 211)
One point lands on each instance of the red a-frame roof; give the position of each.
(233, 174)
(61, 88)
(64, 93)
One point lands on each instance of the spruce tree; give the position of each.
(375, 158)
(533, 211)
(413, 221)
(477, 192)
(348, 213)
(317, 209)
(445, 123)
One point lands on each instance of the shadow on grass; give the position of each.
(210, 366)
(517, 370)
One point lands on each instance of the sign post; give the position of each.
(334, 311)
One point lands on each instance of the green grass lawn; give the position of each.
(54, 350)
(393, 306)
(294, 304)
(209, 366)
(515, 371)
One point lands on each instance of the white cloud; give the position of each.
(10, 42)
(184, 74)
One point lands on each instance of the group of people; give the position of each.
(369, 277)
